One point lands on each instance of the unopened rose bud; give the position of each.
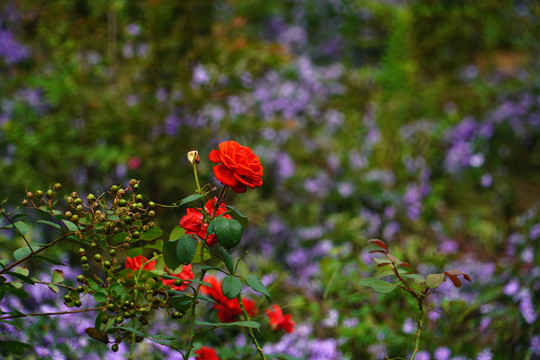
(193, 157)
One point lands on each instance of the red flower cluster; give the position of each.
(193, 222)
(184, 274)
(136, 263)
(206, 353)
(239, 166)
(228, 310)
(280, 321)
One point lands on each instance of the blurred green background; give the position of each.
(416, 122)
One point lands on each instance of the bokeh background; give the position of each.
(416, 122)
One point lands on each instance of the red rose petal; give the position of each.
(225, 175)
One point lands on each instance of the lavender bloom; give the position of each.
(332, 319)
(351, 323)
(10, 50)
(378, 350)
(284, 166)
(486, 354)
(486, 180)
(133, 29)
(526, 306)
(325, 349)
(409, 326)
(161, 95)
(345, 189)
(535, 345)
(200, 76)
(413, 201)
(422, 355)
(172, 124)
(391, 229)
(534, 233)
(511, 288)
(442, 353)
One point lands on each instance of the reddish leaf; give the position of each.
(405, 264)
(379, 243)
(377, 251)
(454, 279)
(383, 264)
(93, 333)
(394, 259)
(453, 275)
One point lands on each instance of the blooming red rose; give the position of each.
(193, 222)
(239, 166)
(185, 274)
(227, 310)
(280, 321)
(136, 263)
(206, 353)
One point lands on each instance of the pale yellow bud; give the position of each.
(193, 157)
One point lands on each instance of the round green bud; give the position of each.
(39, 194)
(67, 298)
(75, 218)
(178, 282)
(68, 214)
(133, 182)
(151, 213)
(139, 198)
(114, 189)
(82, 252)
(84, 259)
(136, 234)
(119, 319)
(70, 200)
(151, 204)
(127, 219)
(77, 303)
(57, 187)
(78, 201)
(111, 307)
(133, 206)
(50, 194)
(80, 288)
(74, 195)
(176, 315)
(80, 278)
(135, 187)
(97, 258)
(93, 244)
(114, 347)
(79, 207)
(107, 264)
(151, 224)
(127, 314)
(145, 228)
(140, 205)
(139, 338)
(122, 202)
(91, 198)
(86, 267)
(112, 252)
(25, 202)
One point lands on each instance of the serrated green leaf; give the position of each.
(377, 285)
(228, 231)
(253, 282)
(231, 287)
(152, 234)
(50, 223)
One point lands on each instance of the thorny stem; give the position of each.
(253, 338)
(51, 313)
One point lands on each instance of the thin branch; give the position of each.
(51, 313)
(17, 229)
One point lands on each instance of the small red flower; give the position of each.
(185, 274)
(136, 263)
(227, 310)
(239, 166)
(280, 321)
(193, 222)
(206, 353)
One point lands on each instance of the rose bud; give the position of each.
(193, 157)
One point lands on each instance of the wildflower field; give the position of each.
(248, 179)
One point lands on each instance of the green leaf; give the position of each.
(248, 324)
(133, 252)
(190, 198)
(253, 282)
(181, 303)
(120, 237)
(4, 262)
(152, 234)
(57, 276)
(21, 277)
(227, 259)
(17, 216)
(22, 252)
(197, 258)
(377, 285)
(185, 249)
(22, 227)
(49, 260)
(53, 288)
(238, 216)
(228, 231)
(433, 281)
(50, 223)
(71, 226)
(176, 233)
(231, 287)
(13, 347)
(118, 291)
(169, 254)
(101, 296)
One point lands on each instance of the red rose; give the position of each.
(227, 310)
(193, 222)
(185, 274)
(136, 263)
(239, 167)
(280, 321)
(206, 353)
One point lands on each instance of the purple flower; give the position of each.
(534, 233)
(442, 353)
(284, 166)
(409, 326)
(527, 307)
(200, 76)
(172, 124)
(535, 344)
(133, 29)
(422, 355)
(486, 354)
(10, 49)
(511, 288)
(486, 180)
(325, 349)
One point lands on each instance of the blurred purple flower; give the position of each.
(442, 353)
(511, 288)
(486, 354)
(200, 76)
(526, 306)
(534, 233)
(422, 355)
(10, 49)
(409, 326)
(326, 349)
(535, 345)
(172, 124)
(133, 29)
(486, 180)
(285, 167)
